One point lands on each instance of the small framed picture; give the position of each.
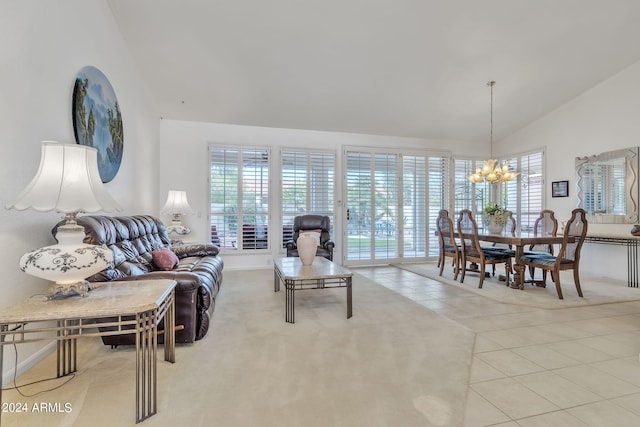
(560, 189)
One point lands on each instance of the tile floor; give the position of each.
(536, 367)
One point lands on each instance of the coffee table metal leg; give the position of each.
(349, 299)
(632, 263)
(290, 301)
(276, 280)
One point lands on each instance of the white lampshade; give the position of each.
(176, 203)
(67, 181)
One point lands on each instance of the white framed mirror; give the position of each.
(607, 185)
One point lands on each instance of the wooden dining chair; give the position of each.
(568, 257)
(472, 251)
(509, 230)
(545, 225)
(448, 245)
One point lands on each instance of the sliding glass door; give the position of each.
(392, 200)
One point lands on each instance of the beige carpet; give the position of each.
(594, 290)
(394, 362)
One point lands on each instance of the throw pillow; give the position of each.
(165, 259)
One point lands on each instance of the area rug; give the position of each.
(594, 290)
(394, 362)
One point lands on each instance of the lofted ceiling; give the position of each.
(415, 68)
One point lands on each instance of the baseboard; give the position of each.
(25, 365)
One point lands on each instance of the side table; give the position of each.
(137, 306)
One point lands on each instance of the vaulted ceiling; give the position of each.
(414, 68)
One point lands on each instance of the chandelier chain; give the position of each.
(492, 171)
(491, 84)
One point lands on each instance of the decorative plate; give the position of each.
(97, 120)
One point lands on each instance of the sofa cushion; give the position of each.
(164, 259)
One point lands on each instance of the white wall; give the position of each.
(604, 118)
(187, 167)
(44, 44)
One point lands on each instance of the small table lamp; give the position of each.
(177, 205)
(67, 181)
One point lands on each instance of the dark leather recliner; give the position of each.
(308, 223)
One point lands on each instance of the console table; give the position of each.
(136, 306)
(631, 242)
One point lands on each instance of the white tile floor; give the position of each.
(536, 367)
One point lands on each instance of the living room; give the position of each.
(46, 43)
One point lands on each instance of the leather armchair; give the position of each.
(321, 223)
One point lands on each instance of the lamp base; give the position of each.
(178, 229)
(65, 290)
(68, 263)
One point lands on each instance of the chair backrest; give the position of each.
(577, 228)
(446, 236)
(312, 222)
(545, 225)
(468, 234)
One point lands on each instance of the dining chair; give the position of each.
(448, 245)
(568, 257)
(473, 252)
(508, 230)
(545, 225)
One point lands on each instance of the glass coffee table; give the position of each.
(321, 274)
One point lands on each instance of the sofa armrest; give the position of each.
(185, 281)
(203, 249)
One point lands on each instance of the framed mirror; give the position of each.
(607, 186)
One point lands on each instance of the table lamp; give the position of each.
(177, 206)
(67, 181)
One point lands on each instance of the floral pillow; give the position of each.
(165, 259)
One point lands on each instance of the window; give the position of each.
(526, 194)
(307, 186)
(523, 196)
(467, 195)
(239, 184)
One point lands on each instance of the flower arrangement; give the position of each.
(496, 213)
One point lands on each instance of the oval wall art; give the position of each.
(97, 121)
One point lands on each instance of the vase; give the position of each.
(636, 230)
(493, 225)
(307, 246)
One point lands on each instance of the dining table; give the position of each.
(519, 243)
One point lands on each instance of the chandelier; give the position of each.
(492, 171)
